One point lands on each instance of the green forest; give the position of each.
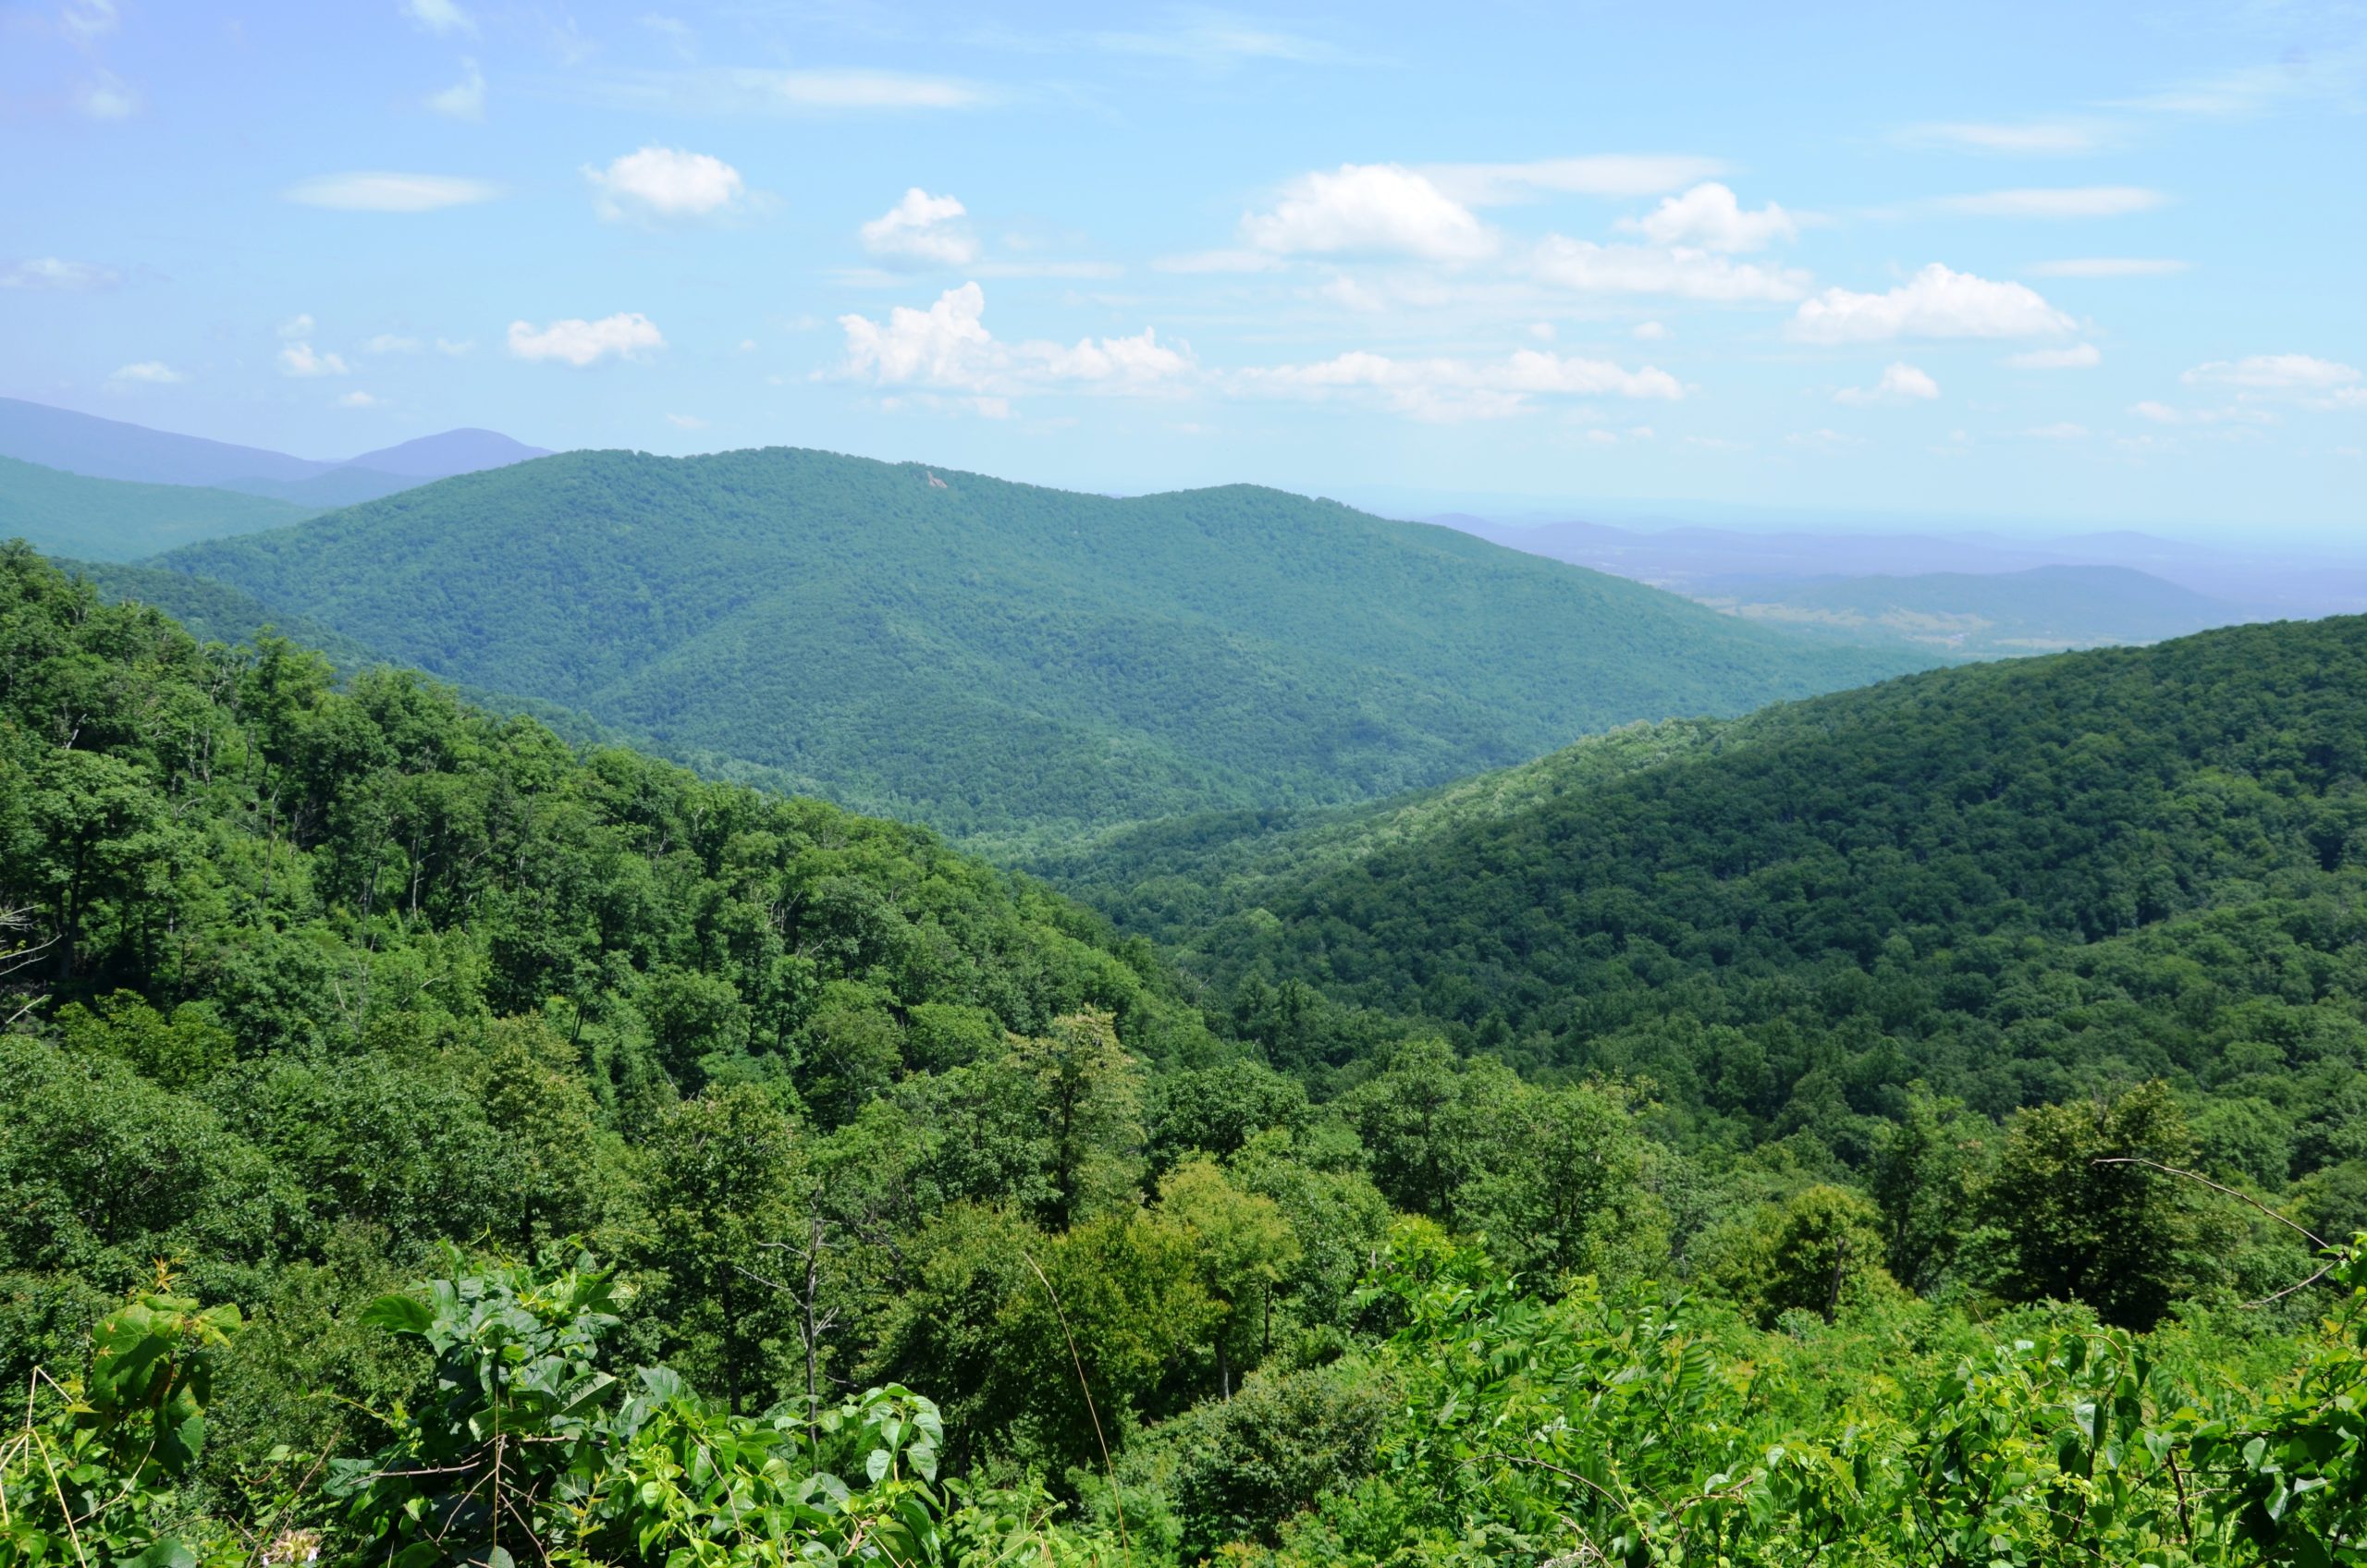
(1917, 1126)
(1007, 663)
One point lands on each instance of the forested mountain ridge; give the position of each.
(111, 519)
(1001, 659)
(930, 1225)
(2014, 883)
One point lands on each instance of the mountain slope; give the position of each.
(2016, 882)
(995, 657)
(107, 448)
(2042, 609)
(119, 521)
(442, 456)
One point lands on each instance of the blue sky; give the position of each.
(2046, 264)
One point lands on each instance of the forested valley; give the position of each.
(1921, 1125)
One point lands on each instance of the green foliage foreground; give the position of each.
(1639, 1427)
(315, 990)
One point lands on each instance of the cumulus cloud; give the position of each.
(358, 399)
(658, 183)
(56, 275)
(442, 17)
(948, 346)
(384, 192)
(627, 335)
(152, 372)
(2108, 267)
(2273, 372)
(1900, 382)
(1649, 332)
(1688, 274)
(2070, 201)
(1447, 390)
(299, 359)
(1709, 217)
(298, 325)
(1603, 174)
(1370, 209)
(1936, 302)
(922, 228)
(2079, 356)
(464, 100)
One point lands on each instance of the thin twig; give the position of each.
(1116, 1500)
(2194, 1176)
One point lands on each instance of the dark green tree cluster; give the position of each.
(317, 989)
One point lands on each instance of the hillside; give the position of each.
(111, 520)
(1001, 659)
(684, 1166)
(2013, 883)
(2041, 611)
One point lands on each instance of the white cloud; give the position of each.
(464, 100)
(1900, 382)
(298, 325)
(948, 346)
(1212, 39)
(1607, 174)
(56, 275)
(392, 343)
(627, 334)
(439, 16)
(1936, 302)
(108, 96)
(1649, 332)
(298, 359)
(686, 421)
(153, 372)
(1587, 268)
(2079, 356)
(2273, 372)
(455, 348)
(2065, 430)
(2163, 413)
(2069, 201)
(2041, 138)
(358, 399)
(1544, 331)
(666, 182)
(2108, 267)
(1447, 390)
(1347, 291)
(846, 89)
(381, 192)
(1373, 209)
(1709, 217)
(922, 228)
(1218, 260)
(84, 20)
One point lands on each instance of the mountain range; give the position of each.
(106, 448)
(2241, 582)
(1004, 659)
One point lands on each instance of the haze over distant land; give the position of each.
(108, 449)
